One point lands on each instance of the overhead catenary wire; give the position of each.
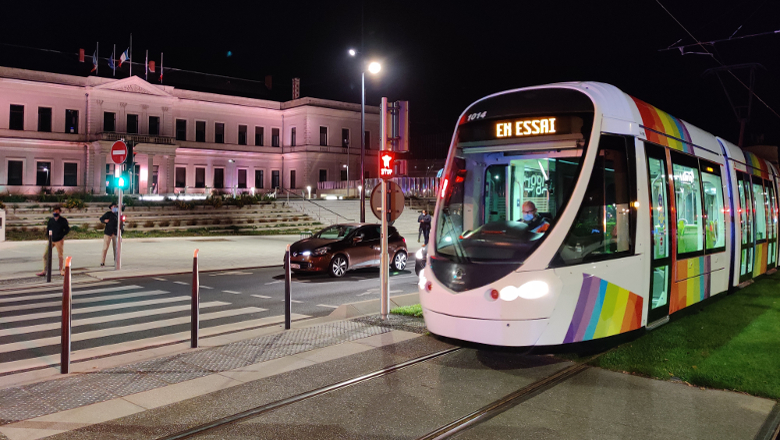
(700, 44)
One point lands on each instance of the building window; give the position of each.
(16, 120)
(323, 176)
(181, 129)
(43, 174)
(274, 137)
(259, 136)
(242, 178)
(242, 135)
(275, 179)
(154, 125)
(219, 178)
(219, 132)
(181, 177)
(324, 136)
(292, 137)
(343, 174)
(132, 123)
(72, 121)
(259, 179)
(44, 119)
(200, 131)
(70, 173)
(367, 139)
(200, 177)
(15, 172)
(292, 179)
(345, 137)
(109, 121)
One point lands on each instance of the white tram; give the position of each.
(645, 215)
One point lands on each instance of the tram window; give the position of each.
(687, 194)
(714, 210)
(604, 226)
(772, 209)
(759, 197)
(658, 203)
(745, 213)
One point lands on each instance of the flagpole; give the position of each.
(146, 66)
(161, 67)
(113, 59)
(97, 51)
(131, 54)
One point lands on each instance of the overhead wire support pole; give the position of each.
(67, 320)
(195, 303)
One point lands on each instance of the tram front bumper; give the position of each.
(515, 333)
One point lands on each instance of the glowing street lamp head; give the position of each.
(352, 52)
(374, 67)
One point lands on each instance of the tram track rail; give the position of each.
(268, 407)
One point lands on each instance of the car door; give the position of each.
(362, 249)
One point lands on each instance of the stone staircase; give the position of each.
(262, 216)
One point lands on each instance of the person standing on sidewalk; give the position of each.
(58, 225)
(426, 226)
(111, 221)
(419, 220)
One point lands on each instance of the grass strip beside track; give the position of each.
(414, 310)
(732, 343)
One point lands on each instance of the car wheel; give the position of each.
(338, 266)
(399, 261)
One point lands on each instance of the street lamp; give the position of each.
(308, 188)
(347, 167)
(373, 67)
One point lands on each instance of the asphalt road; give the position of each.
(156, 309)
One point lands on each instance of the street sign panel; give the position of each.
(396, 201)
(118, 152)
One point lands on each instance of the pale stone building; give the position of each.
(56, 131)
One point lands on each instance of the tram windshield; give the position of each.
(500, 206)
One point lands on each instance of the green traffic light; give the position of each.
(121, 182)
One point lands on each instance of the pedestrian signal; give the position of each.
(387, 165)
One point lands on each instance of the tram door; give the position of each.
(661, 263)
(761, 231)
(495, 193)
(747, 243)
(772, 215)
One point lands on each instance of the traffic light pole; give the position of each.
(118, 262)
(384, 263)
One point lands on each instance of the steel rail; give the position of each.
(260, 410)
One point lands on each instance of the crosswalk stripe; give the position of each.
(84, 310)
(231, 291)
(325, 305)
(44, 342)
(22, 290)
(261, 296)
(83, 300)
(107, 318)
(75, 293)
(181, 282)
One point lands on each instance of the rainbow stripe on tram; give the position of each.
(603, 309)
(757, 166)
(664, 129)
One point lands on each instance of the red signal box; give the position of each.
(386, 164)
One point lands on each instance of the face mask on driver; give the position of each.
(528, 217)
(114, 210)
(56, 214)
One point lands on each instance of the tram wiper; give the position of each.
(459, 251)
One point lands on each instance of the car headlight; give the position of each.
(320, 251)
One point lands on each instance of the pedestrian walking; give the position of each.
(58, 225)
(419, 221)
(426, 226)
(111, 220)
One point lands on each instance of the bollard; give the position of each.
(287, 296)
(48, 261)
(195, 321)
(66, 320)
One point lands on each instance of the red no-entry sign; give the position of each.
(118, 152)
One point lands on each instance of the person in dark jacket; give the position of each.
(426, 226)
(420, 229)
(111, 220)
(59, 228)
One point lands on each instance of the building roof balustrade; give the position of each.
(137, 138)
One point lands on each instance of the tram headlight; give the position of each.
(529, 290)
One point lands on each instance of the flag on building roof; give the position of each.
(124, 57)
(111, 63)
(94, 61)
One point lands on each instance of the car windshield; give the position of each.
(509, 215)
(335, 232)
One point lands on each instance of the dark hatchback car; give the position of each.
(339, 248)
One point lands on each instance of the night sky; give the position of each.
(441, 56)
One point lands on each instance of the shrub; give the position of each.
(250, 221)
(2, 205)
(74, 204)
(176, 223)
(132, 225)
(164, 223)
(99, 226)
(184, 205)
(148, 224)
(215, 221)
(228, 221)
(192, 222)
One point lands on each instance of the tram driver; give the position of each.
(535, 222)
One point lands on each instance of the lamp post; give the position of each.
(374, 68)
(347, 167)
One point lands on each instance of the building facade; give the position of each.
(56, 131)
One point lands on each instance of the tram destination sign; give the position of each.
(520, 127)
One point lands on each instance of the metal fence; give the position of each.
(411, 186)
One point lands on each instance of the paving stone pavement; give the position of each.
(38, 399)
